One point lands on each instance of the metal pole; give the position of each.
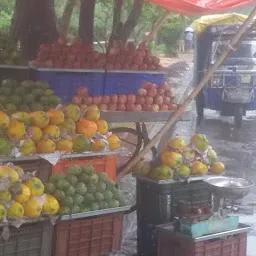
(173, 118)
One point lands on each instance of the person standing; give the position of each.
(181, 44)
(189, 41)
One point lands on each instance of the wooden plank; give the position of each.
(129, 117)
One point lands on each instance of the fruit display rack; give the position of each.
(95, 213)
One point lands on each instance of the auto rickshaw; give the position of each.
(231, 89)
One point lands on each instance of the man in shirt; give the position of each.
(189, 41)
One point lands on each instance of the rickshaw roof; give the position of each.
(201, 24)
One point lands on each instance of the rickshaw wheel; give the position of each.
(238, 118)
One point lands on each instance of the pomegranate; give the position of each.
(167, 100)
(121, 107)
(164, 107)
(112, 107)
(105, 99)
(113, 98)
(172, 106)
(142, 92)
(152, 92)
(149, 100)
(147, 107)
(158, 100)
(130, 106)
(87, 100)
(96, 100)
(103, 107)
(160, 91)
(155, 108)
(163, 85)
(140, 100)
(122, 99)
(131, 98)
(77, 100)
(138, 108)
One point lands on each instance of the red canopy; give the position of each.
(195, 7)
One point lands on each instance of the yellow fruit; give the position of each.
(24, 194)
(97, 145)
(56, 116)
(64, 145)
(19, 170)
(16, 130)
(69, 126)
(39, 119)
(114, 142)
(36, 133)
(86, 128)
(102, 126)
(161, 172)
(199, 168)
(14, 176)
(5, 196)
(15, 210)
(4, 171)
(92, 113)
(51, 132)
(200, 142)
(177, 143)
(51, 205)
(36, 186)
(171, 158)
(46, 146)
(217, 168)
(28, 148)
(4, 120)
(3, 212)
(32, 208)
(72, 111)
(22, 117)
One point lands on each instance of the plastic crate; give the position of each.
(128, 82)
(105, 164)
(42, 167)
(29, 240)
(19, 73)
(93, 236)
(171, 245)
(66, 83)
(158, 203)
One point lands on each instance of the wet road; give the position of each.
(237, 150)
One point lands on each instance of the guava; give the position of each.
(103, 205)
(68, 201)
(94, 178)
(72, 179)
(71, 191)
(59, 195)
(74, 170)
(103, 176)
(99, 196)
(113, 203)
(91, 188)
(95, 206)
(88, 169)
(78, 199)
(108, 195)
(63, 184)
(75, 209)
(81, 188)
(101, 186)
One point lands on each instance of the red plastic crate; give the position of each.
(171, 245)
(105, 164)
(93, 236)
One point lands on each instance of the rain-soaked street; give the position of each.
(237, 149)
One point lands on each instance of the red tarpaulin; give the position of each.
(196, 7)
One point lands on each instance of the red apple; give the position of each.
(147, 107)
(142, 92)
(140, 100)
(172, 106)
(87, 100)
(160, 91)
(121, 107)
(113, 98)
(62, 40)
(137, 60)
(82, 91)
(105, 99)
(103, 106)
(143, 67)
(131, 98)
(152, 92)
(145, 85)
(96, 100)
(77, 100)
(112, 107)
(122, 99)
(149, 100)
(168, 93)
(134, 67)
(142, 46)
(141, 54)
(151, 86)
(155, 108)
(164, 107)
(158, 100)
(109, 66)
(167, 100)
(163, 85)
(138, 108)
(130, 106)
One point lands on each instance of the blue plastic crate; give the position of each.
(66, 82)
(129, 82)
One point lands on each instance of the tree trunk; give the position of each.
(86, 20)
(117, 25)
(66, 16)
(34, 23)
(131, 21)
